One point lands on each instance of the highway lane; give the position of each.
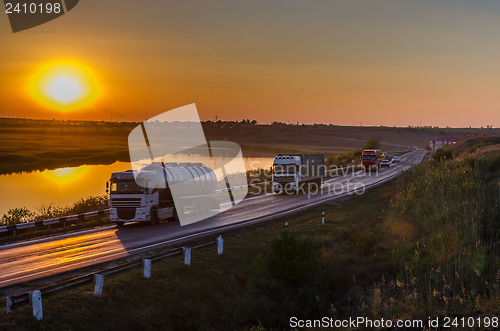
(25, 261)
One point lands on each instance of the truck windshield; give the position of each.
(125, 187)
(285, 168)
(369, 157)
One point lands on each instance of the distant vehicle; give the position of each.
(395, 159)
(370, 159)
(291, 172)
(130, 202)
(384, 163)
(384, 154)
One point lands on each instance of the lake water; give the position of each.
(64, 186)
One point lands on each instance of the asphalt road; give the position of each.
(43, 257)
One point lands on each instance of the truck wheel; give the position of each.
(153, 216)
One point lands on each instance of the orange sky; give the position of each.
(381, 62)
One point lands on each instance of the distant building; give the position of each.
(441, 141)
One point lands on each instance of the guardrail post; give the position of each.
(99, 283)
(9, 305)
(187, 256)
(147, 268)
(323, 218)
(220, 245)
(36, 298)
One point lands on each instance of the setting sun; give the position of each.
(64, 86)
(64, 89)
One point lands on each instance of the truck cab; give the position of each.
(370, 159)
(291, 172)
(129, 201)
(286, 173)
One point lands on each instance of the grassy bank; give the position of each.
(444, 231)
(38, 145)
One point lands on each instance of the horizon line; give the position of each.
(243, 121)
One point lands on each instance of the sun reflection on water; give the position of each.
(64, 176)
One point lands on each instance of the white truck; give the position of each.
(293, 172)
(130, 202)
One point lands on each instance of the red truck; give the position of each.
(370, 159)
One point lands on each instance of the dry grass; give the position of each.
(444, 226)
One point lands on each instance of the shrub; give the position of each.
(287, 281)
(46, 211)
(17, 215)
(89, 204)
(292, 260)
(372, 143)
(442, 154)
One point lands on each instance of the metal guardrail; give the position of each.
(19, 300)
(50, 221)
(79, 217)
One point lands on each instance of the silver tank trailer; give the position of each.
(196, 178)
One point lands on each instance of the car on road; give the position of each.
(384, 163)
(395, 159)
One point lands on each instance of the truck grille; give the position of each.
(126, 202)
(125, 213)
(284, 178)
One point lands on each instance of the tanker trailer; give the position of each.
(148, 198)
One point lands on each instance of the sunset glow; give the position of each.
(64, 176)
(353, 62)
(64, 86)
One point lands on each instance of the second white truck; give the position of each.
(295, 172)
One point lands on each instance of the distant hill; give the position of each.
(30, 144)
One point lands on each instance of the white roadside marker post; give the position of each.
(36, 298)
(147, 268)
(99, 283)
(9, 305)
(220, 245)
(187, 256)
(323, 218)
